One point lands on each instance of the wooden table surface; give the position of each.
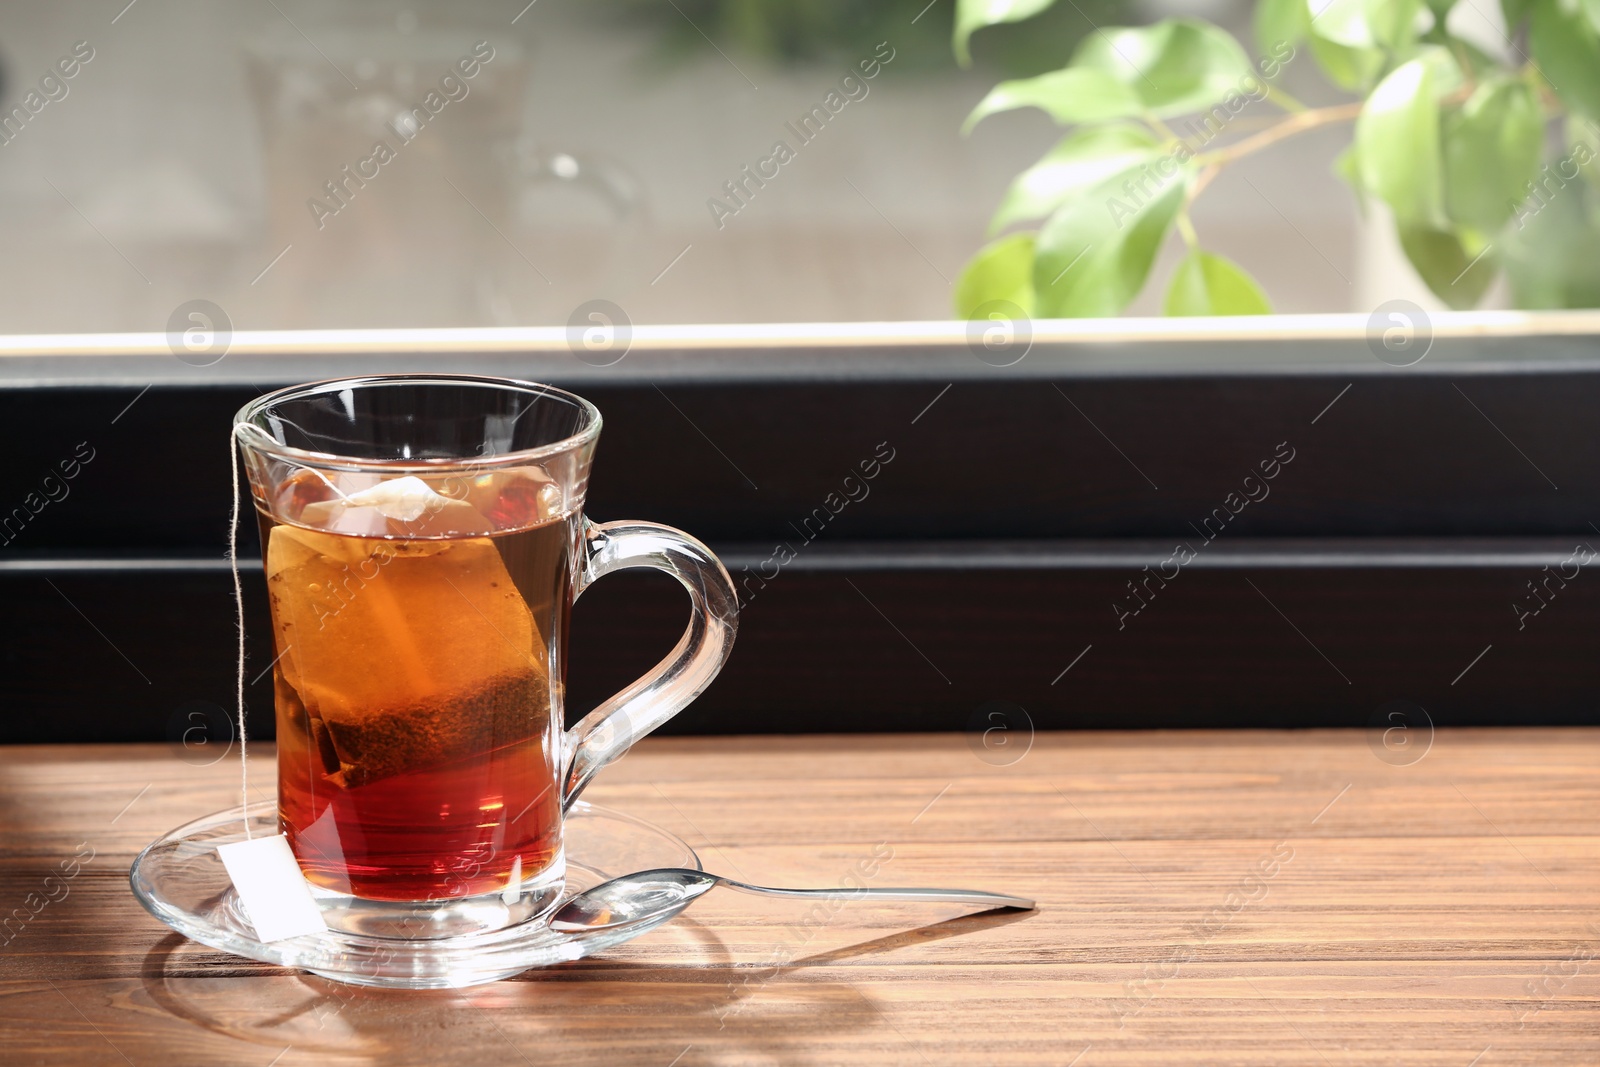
(1205, 898)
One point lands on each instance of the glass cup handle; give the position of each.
(607, 731)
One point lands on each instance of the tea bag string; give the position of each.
(238, 603)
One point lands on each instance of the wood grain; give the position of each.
(1276, 898)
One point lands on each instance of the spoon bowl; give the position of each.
(631, 898)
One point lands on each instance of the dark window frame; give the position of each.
(987, 558)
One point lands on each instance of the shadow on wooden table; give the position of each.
(617, 1009)
(961, 924)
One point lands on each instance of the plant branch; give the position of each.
(1252, 123)
(1550, 103)
(1161, 128)
(1202, 180)
(1298, 123)
(1186, 228)
(1284, 100)
(1465, 62)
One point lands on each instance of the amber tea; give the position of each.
(420, 630)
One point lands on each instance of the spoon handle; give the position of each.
(948, 896)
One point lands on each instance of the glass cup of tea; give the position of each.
(424, 540)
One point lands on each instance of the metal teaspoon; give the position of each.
(646, 895)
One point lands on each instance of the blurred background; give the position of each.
(382, 164)
(182, 160)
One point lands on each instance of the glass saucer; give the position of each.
(181, 881)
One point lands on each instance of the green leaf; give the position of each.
(1567, 49)
(1394, 23)
(1447, 76)
(1591, 11)
(1070, 95)
(1389, 24)
(1492, 146)
(1280, 22)
(1482, 63)
(1002, 270)
(1176, 66)
(973, 15)
(1441, 10)
(1207, 284)
(1448, 261)
(1397, 146)
(1342, 44)
(1549, 256)
(1347, 165)
(1346, 42)
(1093, 256)
(1514, 11)
(1082, 160)
(1347, 67)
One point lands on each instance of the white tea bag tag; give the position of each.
(274, 892)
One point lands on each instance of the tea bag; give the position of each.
(401, 507)
(404, 653)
